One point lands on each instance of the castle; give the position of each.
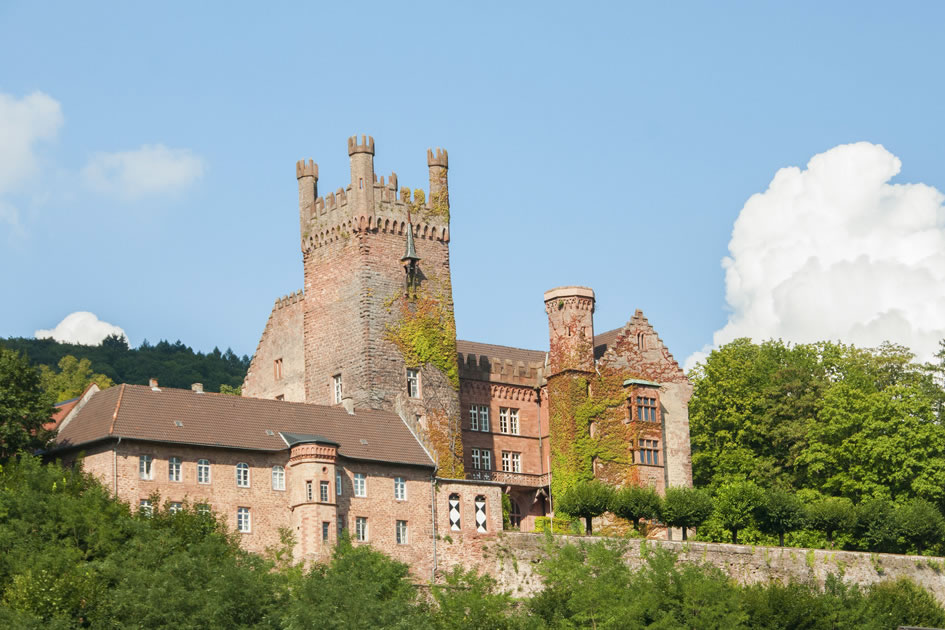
(362, 411)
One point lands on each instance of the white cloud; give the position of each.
(81, 327)
(837, 252)
(146, 171)
(23, 123)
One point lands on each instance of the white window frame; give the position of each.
(326, 531)
(278, 477)
(508, 420)
(242, 475)
(338, 390)
(174, 469)
(203, 471)
(360, 528)
(486, 459)
(145, 507)
(401, 533)
(338, 483)
(511, 462)
(360, 485)
(244, 520)
(484, 418)
(475, 459)
(146, 467)
(413, 383)
(474, 417)
(309, 490)
(175, 507)
(400, 489)
(324, 491)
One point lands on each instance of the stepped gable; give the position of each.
(500, 364)
(285, 301)
(637, 346)
(139, 412)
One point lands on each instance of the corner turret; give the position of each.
(307, 174)
(362, 175)
(571, 329)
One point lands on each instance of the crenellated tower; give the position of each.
(360, 322)
(570, 329)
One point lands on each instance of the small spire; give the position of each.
(411, 254)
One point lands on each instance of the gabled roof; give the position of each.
(218, 420)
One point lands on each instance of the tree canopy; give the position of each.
(24, 406)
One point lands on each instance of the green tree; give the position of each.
(636, 502)
(586, 499)
(877, 525)
(780, 512)
(921, 524)
(73, 377)
(24, 406)
(736, 504)
(469, 600)
(831, 515)
(685, 507)
(232, 391)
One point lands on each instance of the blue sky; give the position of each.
(609, 145)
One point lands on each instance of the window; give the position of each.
(646, 409)
(176, 507)
(511, 462)
(243, 523)
(360, 528)
(144, 506)
(401, 532)
(309, 493)
(360, 485)
(413, 383)
(479, 417)
(323, 491)
(277, 369)
(338, 483)
(173, 469)
(337, 380)
(515, 514)
(400, 489)
(278, 478)
(649, 452)
(326, 528)
(481, 519)
(342, 525)
(146, 467)
(242, 475)
(454, 512)
(481, 459)
(508, 420)
(203, 508)
(203, 471)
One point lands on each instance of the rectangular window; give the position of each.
(360, 485)
(326, 528)
(401, 532)
(646, 409)
(481, 459)
(277, 369)
(649, 452)
(484, 418)
(474, 418)
(278, 478)
(243, 523)
(173, 469)
(144, 506)
(413, 383)
(508, 420)
(511, 462)
(146, 467)
(309, 493)
(337, 383)
(479, 417)
(323, 491)
(203, 471)
(342, 525)
(400, 489)
(175, 507)
(242, 475)
(203, 508)
(360, 528)
(338, 483)
(476, 463)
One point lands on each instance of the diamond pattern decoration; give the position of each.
(454, 512)
(481, 514)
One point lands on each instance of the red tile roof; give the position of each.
(185, 417)
(499, 352)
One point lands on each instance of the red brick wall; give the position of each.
(281, 339)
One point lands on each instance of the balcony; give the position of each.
(509, 478)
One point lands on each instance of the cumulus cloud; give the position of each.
(836, 252)
(147, 171)
(81, 327)
(23, 123)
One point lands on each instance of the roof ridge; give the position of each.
(486, 343)
(121, 393)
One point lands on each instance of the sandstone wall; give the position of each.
(281, 341)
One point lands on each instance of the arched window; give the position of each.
(481, 514)
(454, 512)
(242, 475)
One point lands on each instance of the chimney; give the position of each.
(153, 384)
(197, 388)
(348, 403)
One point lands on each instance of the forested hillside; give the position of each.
(173, 364)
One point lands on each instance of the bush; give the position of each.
(921, 524)
(586, 499)
(562, 525)
(735, 506)
(634, 503)
(685, 507)
(831, 515)
(877, 526)
(780, 512)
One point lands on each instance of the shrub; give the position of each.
(831, 515)
(685, 507)
(735, 505)
(634, 503)
(780, 512)
(586, 499)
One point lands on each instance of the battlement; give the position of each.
(497, 370)
(441, 158)
(288, 300)
(306, 169)
(365, 146)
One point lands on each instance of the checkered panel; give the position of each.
(454, 512)
(481, 514)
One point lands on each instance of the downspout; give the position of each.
(433, 517)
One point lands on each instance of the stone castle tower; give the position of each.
(377, 301)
